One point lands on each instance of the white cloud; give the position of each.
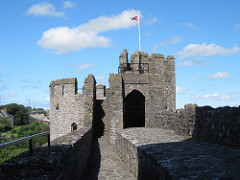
(194, 62)
(179, 90)
(9, 95)
(3, 86)
(84, 66)
(69, 4)
(194, 97)
(147, 34)
(167, 41)
(152, 21)
(100, 77)
(192, 26)
(225, 97)
(237, 27)
(44, 9)
(216, 96)
(194, 78)
(192, 50)
(218, 75)
(65, 39)
(47, 99)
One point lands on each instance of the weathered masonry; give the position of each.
(68, 109)
(142, 94)
(142, 88)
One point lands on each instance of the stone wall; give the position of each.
(136, 147)
(155, 153)
(89, 98)
(100, 92)
(136, 157)
(68, 108)
(64, 107)
(65, 159)
(115, 101)
(151, 76)
(218, 125)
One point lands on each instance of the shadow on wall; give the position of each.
(218, 125)
(187, 159)
(98, 119)
(94, 162)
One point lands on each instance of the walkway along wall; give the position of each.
(218, 125)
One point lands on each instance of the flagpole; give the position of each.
(139, 31)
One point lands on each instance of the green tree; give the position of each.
(12, 108)
(37, 109)
(5, 124)
(20, 113)
(18, 133)
(21, 117)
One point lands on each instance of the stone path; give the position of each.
(104, 163)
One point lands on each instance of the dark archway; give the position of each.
(134, 115)
(73, 127)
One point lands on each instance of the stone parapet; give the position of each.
(65, 159)
(154, 153)
(100, 92)
(218, 125)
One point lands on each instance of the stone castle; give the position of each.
(142, 88)
(152, 138)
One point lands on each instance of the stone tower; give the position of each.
(68, 109)
(142, 87)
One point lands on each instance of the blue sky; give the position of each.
(41, 41)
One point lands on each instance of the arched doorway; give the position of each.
(134, 115)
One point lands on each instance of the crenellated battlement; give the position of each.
(139, 60)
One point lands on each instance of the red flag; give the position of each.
(135, 18)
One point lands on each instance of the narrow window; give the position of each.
(57, 106)
(73, 127)
(63, 90)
